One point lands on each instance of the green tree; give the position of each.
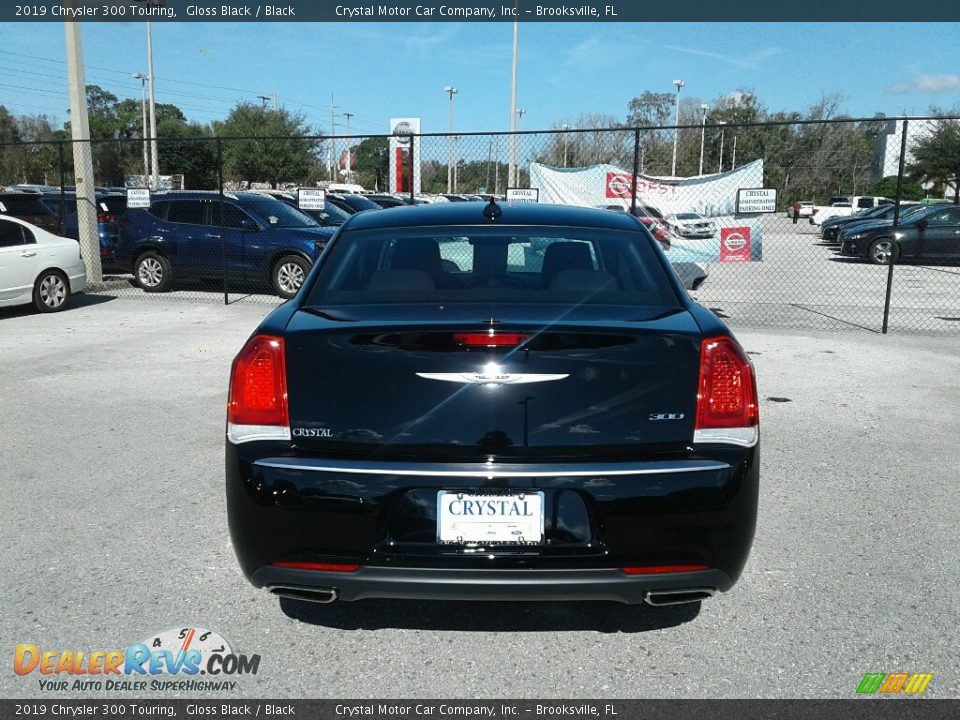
(887, 187)
(936, 157)
(373, 162)
(271, 145)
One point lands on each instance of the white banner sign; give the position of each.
(673, 199)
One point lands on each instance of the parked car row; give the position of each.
(924, 232)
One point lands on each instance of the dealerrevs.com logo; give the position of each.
(169, 660)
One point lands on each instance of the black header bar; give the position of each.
(358, 11)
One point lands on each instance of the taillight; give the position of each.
(257, 408)
(727, 409)
(661, 569)
(105, 218)
(489, 338)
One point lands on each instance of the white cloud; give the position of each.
(928, 84)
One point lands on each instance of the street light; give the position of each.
(143, 134)
(263, 99)
(451, 91)
(733, 159)
(721, 123)
(703, 132)
(565, 128)
(676, 131)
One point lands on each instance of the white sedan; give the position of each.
(691, 225)
(38, 267)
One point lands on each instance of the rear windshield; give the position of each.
(17, 205)
(477, 265)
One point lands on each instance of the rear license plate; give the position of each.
(512, 519)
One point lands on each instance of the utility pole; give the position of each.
(143, 132)
(489, 158)
(676, 130)
(333, 143)
(82, 154)
(565, 128)
(264, 99)
(153, 108)
(349, 167)
(451, 91)
(275, 106)
(512, 167)
(733, 157)
(516, 166)
(722, 123)
(703, 132)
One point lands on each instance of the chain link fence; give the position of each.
(816, 224)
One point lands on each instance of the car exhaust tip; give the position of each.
(317, 595)
(659, 598)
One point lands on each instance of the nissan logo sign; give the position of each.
(735, 242)
(403, 131)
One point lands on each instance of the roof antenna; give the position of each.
(492, 211)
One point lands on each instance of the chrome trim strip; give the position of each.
(238, 434)
(743, 437)
(491, 470)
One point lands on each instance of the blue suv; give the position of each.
(260, 240)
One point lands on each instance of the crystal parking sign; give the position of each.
(523, 195)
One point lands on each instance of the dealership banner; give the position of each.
(733, 237)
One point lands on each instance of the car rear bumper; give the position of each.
(285, 509)
(608, 584)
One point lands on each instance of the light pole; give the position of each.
(143, 133)
(676, 131)
(703, 132)
(733, 158)
(451, 91)
(516, 166)
(512, 166)
(721, 123)
(155, 158)
(565, 128)
(349, 168)
(264, 99)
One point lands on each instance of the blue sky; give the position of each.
(379, 71)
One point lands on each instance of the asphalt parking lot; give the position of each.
(113, 527)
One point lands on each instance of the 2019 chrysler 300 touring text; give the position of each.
(486, 401)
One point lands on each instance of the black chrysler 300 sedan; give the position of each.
(483, 401)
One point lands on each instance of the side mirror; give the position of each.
(249, 225)
(922, 223)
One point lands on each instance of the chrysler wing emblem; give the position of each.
(492, 375)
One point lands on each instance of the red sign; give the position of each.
(619, 185)
(735, 244)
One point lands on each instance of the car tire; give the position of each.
(51, 291)
(152, 272)
(880, 251)
(288, 275)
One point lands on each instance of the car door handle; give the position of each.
(213, 236)
(28, 253)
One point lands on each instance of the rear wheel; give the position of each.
(51, 291)
(881, 251)
(288, 275)
(153, 273)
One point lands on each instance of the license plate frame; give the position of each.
(497, 529)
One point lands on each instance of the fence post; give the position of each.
(896, 222)
(636, 171)
(223, 239)
(63, 190)
(413, 144)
